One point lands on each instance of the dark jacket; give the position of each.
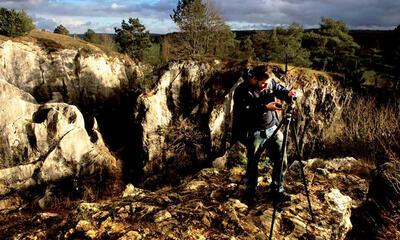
(249, 111)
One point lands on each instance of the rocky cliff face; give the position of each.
(196, 100)
(101, 86)
(184, 122)
(169, 118)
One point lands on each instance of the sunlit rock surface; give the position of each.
(65, 75)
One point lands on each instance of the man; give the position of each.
(255, 121)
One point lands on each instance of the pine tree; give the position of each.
(245, 49)
(260, 42)
(132, 38)
(60, 29)
(15, 23)
(331, 47)
(202, 29)
(285, 46)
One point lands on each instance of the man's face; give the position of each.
(253, 82)
(261, 84)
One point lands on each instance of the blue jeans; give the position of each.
(257, 139)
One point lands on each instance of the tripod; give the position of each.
(286, 121)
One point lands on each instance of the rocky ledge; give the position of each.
(208, 206)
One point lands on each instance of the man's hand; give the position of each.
(273, 106)
(292, 93)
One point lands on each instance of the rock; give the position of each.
(48, 215)
(112, 227)
(237, 205)
(88, 208)
(131, 235)
(220, 163)
(84, 226)
(220, 121)
(46, 200)
(163, 131)
(162, 216)
(45, 143)
(66, 75)
(100, 215)
(10, 203)
(166, 120)
(195, 185)
(340, 206)
(132, 191)
(197, 214)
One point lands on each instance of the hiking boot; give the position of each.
(244, 180)
(249, 201)
(249, 195)
(281, 196)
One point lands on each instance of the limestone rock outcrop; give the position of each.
(66, 75)
(43, 144)
(170, 137)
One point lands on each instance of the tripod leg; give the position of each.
(272, 223)
(302, 171)
(283, 152)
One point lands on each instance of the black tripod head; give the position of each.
(290, 107)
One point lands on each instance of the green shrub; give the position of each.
(15, 23)
(152, 54)
(61, 30)
(91, 36)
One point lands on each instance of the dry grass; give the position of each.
(366, 129)
(50, 41)
(391, 229)
(59, 40)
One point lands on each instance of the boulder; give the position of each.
(42, 144)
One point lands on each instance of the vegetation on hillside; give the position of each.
(15, 23)
(91, 36)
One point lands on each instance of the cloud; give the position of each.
(368, 13)
(255, 14)
(44, 23)
(116, 6)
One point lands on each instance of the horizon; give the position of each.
(103, 15)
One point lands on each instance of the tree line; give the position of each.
(202, 33)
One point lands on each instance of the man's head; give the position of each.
(258, 76)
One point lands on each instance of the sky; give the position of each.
(103, 15)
